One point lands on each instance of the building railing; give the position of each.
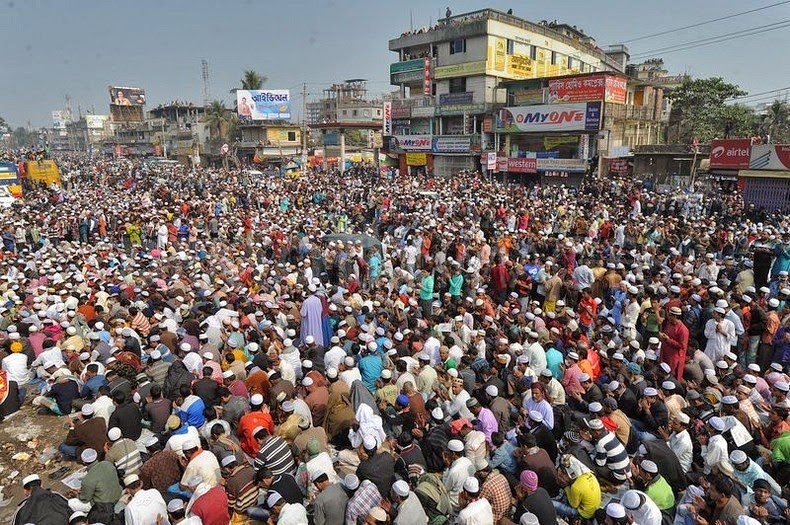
(623, 112)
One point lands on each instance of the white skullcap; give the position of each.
(114, 434)
(369, 443)
(87, 409)
(273, 498)
(455, 445)
(307, 381)
(401, 488)
(89, 455)
(351, 482)
(471, 485)
(492, 390)
(31, 478)
(189, 444)
(256, 400)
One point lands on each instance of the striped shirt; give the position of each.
(275, 454)
(610, 452)
(125, 457)
(241, 489)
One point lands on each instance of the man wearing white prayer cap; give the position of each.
(474, 509)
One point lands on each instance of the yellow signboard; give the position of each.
(500, 52)
(520, 66)
(416, 159)
(552, 141)
(460, 70)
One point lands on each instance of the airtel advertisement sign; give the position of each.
(730, 154)
(550, 117)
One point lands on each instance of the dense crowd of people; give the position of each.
(352, 348)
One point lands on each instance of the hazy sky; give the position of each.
(53, 48)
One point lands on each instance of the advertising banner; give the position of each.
(427, 78)
(409, 65)
(416, 159)
(587, 89)
(272, 104)
(770, 157)
(619, 166)
(570, 165)
(519, 66)
(616, 89)
(386, 125)
(490, 160)
(448, 99)
(399, 111)
(550, 117)
(730, 153)
(410, 143)
(423, 111)
(460, 70)
(127, 96)
(95, 121)
(522, 165)
(60, 119)
(553, 141)
(529, 97)
(451, 144)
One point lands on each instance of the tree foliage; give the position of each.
(219, 120)
(699, 111)
(252, 80)
(776, 122)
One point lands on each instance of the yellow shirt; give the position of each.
(584, 494)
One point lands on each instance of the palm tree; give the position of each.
(252, 80)
(776, 121)
(217, 117)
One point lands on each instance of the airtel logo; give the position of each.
(721, 151)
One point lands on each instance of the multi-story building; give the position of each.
(450, 80)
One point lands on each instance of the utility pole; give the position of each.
(304, 127)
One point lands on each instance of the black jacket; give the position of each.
(43, 507)
(128, 419)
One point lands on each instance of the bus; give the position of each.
(9, 178)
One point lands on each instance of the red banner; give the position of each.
(588, 89)
(517, 164)
(730, 153)
(427, 78)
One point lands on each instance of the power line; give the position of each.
(716, 39)
(706, 22)
(752, 95)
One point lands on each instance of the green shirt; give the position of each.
(100, 484)
(781, 448)
(426, 289)
(456, 283)
(661, 493)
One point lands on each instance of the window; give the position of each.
(554, 58)
(354, 113)
(458, 85)
(510, 47)
(345, 113)
(458, 46)
(434, 51)
(291, 136)
(533, 52)
(378, 112)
